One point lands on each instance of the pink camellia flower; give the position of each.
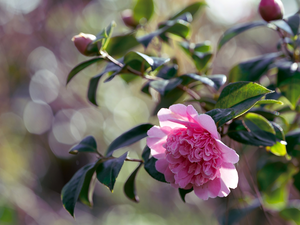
(190, 153)
(82, 42)
(271, 10)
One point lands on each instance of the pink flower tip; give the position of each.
(190, 153)
(82, 42)
(271, 10)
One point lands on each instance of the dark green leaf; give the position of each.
(165, 86)
(239, 133)
(92, 89)
(146, 39)
(253, 69)
(293, 139)
(215, 81)
(82, 66)
(143, 9)
(169, 99)
(167, 72)
(282, 25)
(232, 216)
(145, 88)
(88, 144)
(184, 192)
(234, 31)
(221, 116)
(108, 171)
(129, 137)
(129, 187)
(146, 153)
(267, 176)
(240, 93)
(297, 181)
(149, 166)
(71, 191)
(86, 194)
(119, 45)
(279, 131)
(288, 80)
(294, 22)
(201, 60)
(136, 60)
(192, 9)
(260, 122)
(203, 47)
(291, 213)
(180, 28)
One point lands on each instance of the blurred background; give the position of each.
(41, 118)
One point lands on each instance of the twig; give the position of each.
(284, 43)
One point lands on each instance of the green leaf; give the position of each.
(215, 81)
(278, 149)
(234, 31)
(149, 166)
(192, 9)
(282, 25)
(241, 96)
(142, 62)
(177, 27)
(180, 28)
(121, 44)
(260, 121)
(232, 216)
(93, 84)
(86, 194)
(82, 66)
(143, 9)
(293, 139)
(129, 137)
(294, 23)
(165, 86)
(184, 192)
(71, 191)
(288, 81)
(108, 171)
(88, 144)
(269, 101)
(273, 181)
(296, 182)
(201, 60)
(291, 213)
(221, 116)
(239, 133)
(169, 99)
(129, 187)
(253, 69)
(167, 72)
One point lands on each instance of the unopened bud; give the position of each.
(271, 10)
(83, 44)
(127, 17)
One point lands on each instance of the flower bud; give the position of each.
(271, 10)
(127, 17)
(83, 44)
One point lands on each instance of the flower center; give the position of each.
(193, 156)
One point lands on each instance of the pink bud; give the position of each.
(82, 41)
(127, 17)
(271, 10)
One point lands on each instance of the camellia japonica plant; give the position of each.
(199, 151)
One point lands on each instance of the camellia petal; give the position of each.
(190, 153)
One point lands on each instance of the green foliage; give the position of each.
(71, 191)
(109, 169)
(184, 192)
(129, 187)
(291, 213)
(149, 165)
(129, 137)
(82, 66)
(234, 31)
(253, 69)
(88, 144)
(143, 9)
(241, 96)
